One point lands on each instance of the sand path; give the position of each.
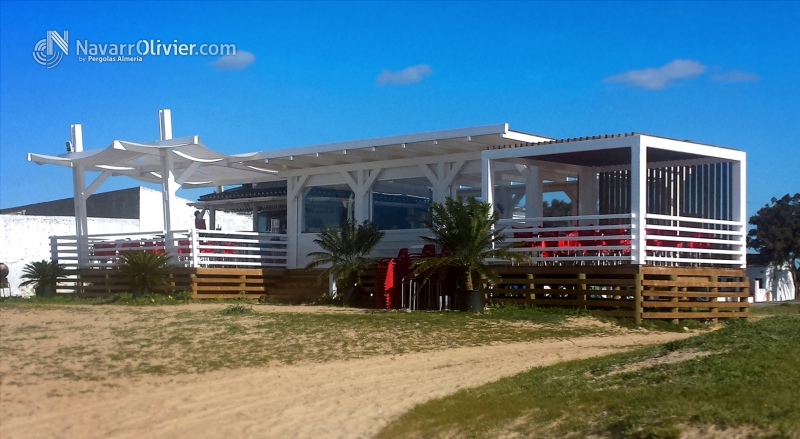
(345, 399)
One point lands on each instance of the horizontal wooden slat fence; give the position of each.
(207, 283)
(628, 290)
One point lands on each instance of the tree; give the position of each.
(43, 275)
(467, 233)
(776, 232)
(346, 251)
(144, 271)
(557, 207)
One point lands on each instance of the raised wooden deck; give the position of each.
(209, 283)
(639, 292)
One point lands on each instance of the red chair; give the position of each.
(184, 247)
(588, 242)
(548, 244)
(617, 242)
(100, 245)
(131, 245)
(156, 247)
(228, 251)
(569, 243)
(428, 251)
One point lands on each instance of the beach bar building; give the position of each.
(654, 227)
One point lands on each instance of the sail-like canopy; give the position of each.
(194, 164)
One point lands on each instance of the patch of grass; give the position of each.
(658, 324)
(237, 310)
(536, 314)
(750, 380)
(130, 341)
(776, 310)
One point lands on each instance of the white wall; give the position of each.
(26, 238)
(777, 286)
(151, 215)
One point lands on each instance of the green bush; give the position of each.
(144, 271)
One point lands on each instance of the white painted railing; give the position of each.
(585, 239)
(188, 248)
(675, 240)
(610, 239)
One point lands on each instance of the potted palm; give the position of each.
(467, 230)
(144, 271)
(345, 252)
(43, 275)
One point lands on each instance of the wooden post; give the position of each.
(582, 288)
(531, 286)
(674, 277)
(746, 298)
(637, 298)
(193, 284)
(714, 297)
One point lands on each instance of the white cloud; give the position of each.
(654, 78)
(239, 61)
(736, 76)
(408, 75)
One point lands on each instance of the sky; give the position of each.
(723, 73)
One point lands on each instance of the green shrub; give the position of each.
(144, 271)
(43, 275)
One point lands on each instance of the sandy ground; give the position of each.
(343, 399)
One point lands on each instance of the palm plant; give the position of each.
(346, 250)
(467, 233)
(144, 271)
(43, 275)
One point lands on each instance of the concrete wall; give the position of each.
(26, 238)
(122, 203)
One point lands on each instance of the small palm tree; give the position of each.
(466, 231)
(346, 251)
(43, 275)
(144, 271)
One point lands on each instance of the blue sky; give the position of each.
(721, 73)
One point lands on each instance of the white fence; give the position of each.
(188, 248)
(674, 240)
(609, 239)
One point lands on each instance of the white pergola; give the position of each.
(440, 156)
(586, 158)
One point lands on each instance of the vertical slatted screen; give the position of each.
(699, 191)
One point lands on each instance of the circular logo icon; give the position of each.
(40, 55)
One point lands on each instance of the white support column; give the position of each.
(168, 184)
(361, 186)
(638, 200)
(442, 180)
(739, 202)
(587, 202)
(79, 192)
(533, 192)
(294, 187)
(487, 181)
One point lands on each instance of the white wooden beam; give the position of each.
(187, 173)
(96, 183)
(79, 198)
